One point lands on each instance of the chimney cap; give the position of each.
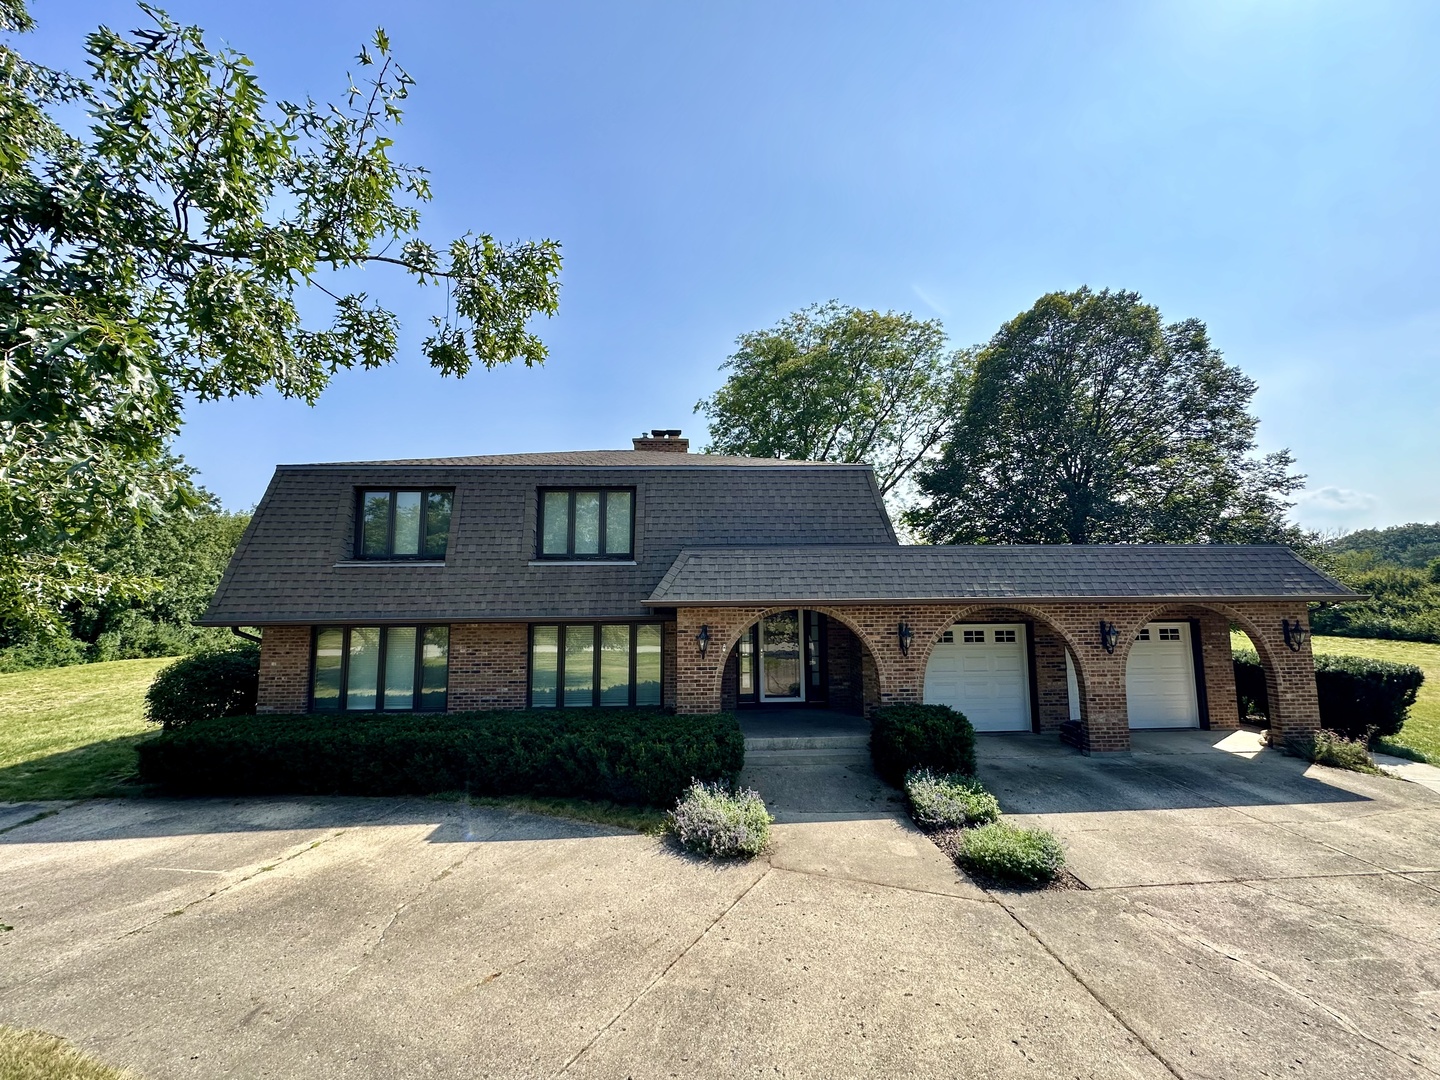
(665, 433)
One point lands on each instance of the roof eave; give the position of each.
(799, 601)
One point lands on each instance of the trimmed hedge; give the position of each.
(905, 737)
(632, 756)
(1360, 698)
(210, 683)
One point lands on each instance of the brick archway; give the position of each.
(754, 615)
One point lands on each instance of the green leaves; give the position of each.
(1091, 421)
(834, 383)
(162, 253)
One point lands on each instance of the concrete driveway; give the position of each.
(1246, 917)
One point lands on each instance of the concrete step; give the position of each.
(801, 748)
(801, 759)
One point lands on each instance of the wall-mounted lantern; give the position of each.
(1295, 634)
(1109, 635)
(703, 639)
(904, 632)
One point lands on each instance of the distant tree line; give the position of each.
(1399, 569)
(172, 568)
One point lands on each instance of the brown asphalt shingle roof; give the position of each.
(295, 565)
(814, 574)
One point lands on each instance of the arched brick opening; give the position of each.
(872, 676)
(1049, 643)
(1219, 670)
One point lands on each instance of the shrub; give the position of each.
(948, 800)
(1360, 698)
(718, 822)
(1010, 853)
(210, 684)
(905, 737)
(1330, 748)
(629, 756)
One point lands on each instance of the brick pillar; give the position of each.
(284, 670)
(1052, 691)
(698, 678)
(1218, 664)
(1294, 702)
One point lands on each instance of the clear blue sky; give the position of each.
(1271, 168)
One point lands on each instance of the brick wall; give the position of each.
(1101, 675)
(843, 665)
(284, 670)
(668, 646)
(1052, 691)
(488, 666)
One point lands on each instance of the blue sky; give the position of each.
(1270, 168)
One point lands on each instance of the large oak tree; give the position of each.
(1090, 420)
(162, 225)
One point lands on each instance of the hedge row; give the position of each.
(633, 756)
(905, 737)
(1359, 697)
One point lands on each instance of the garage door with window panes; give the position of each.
(1160, 678)
(984, 672)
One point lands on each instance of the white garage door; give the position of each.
(982, 671)
(1160, 678)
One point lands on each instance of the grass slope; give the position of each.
(1421, 732)
(70, 733)
(34, 1055)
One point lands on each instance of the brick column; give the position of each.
(1294, 702)
(284, 670)
(1218, 664)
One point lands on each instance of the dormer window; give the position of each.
(587, 523)
(403, 524)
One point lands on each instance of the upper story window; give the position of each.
(401, 524)
(579, 523)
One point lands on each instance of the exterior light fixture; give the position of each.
(1109, 635)
(905, 634)
(1295, 634)
(703, 638)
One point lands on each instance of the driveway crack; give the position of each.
(661, 975)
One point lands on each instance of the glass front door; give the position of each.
(782, 666)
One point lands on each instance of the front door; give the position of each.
(782, 657)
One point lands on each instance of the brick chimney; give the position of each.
(663, 439)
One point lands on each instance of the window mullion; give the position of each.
(560, 666)
(390, 532)
(420, 653)
(634, 646)
(344, 668)
(604, 510)
(598, 639)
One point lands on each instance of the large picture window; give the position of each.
(401, 524)
(585, 665)
(587, 524)
(380, 668)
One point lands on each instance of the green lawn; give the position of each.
(1421, 732)
(70, 733)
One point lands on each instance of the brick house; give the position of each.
(657, 577)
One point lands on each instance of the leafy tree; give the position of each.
(164, 253)
(837, 383)
(1089, 420)
(174, 565)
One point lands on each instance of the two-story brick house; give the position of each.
(657, 577)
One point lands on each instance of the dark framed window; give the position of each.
(380, 669)
(586, 523)
(590, 665)
(402, 523)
